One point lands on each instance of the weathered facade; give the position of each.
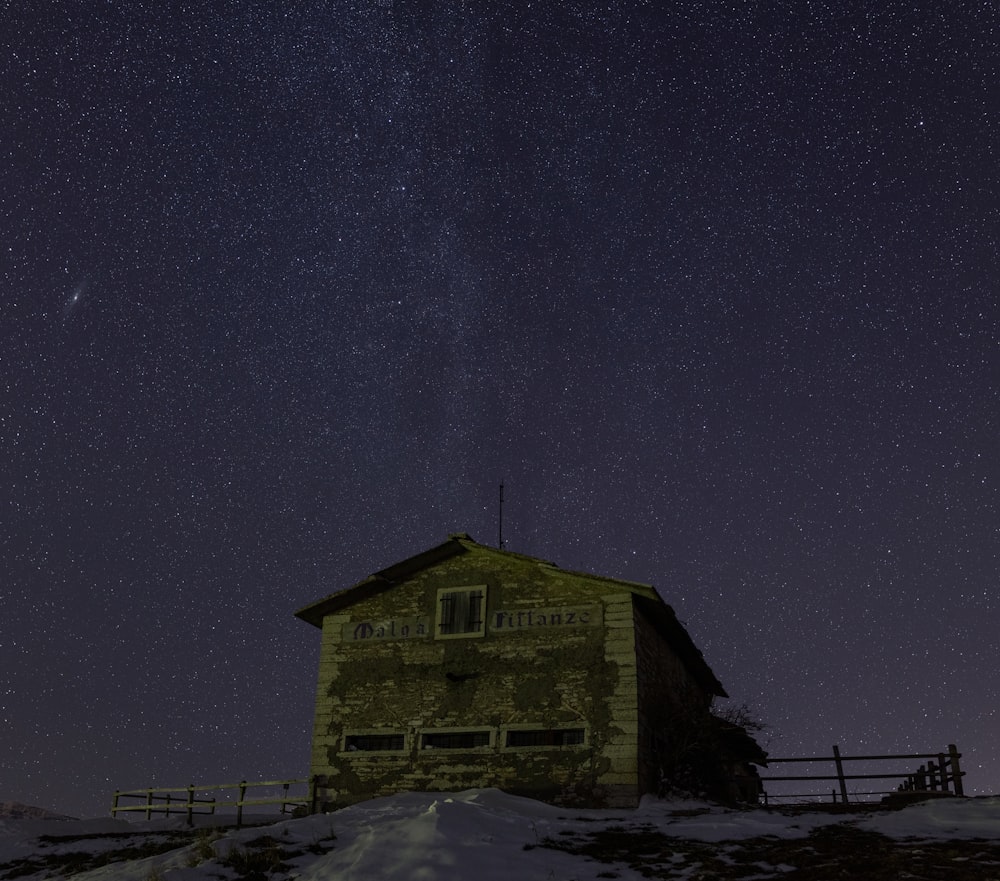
(467, 666)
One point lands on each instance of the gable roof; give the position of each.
(381, 581)
(645, 598)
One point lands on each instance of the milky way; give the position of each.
(712, 288)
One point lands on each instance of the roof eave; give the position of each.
(381, 581)
(664, 619)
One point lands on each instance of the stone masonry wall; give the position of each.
(570, 664)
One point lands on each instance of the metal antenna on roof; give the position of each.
(500, 520)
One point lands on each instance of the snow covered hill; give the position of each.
(487, 835)
(14, 810)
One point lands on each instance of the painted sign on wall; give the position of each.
(497, 621)
(394, 628)
(503, 621)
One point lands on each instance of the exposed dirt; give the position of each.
(840, 851)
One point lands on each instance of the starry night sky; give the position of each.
(289, 288)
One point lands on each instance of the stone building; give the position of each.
(468, 666)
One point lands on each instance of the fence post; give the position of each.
(114, 804)
(840, 773)
(239, 804)
(190, 804)
(956, 771)
(149, 804)
(943, 768)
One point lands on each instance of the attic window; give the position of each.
(551, 737)
(460, 612)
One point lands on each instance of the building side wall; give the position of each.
(671, 705)
(568, 665)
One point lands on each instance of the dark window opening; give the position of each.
(461, 611)
(546, 737)
(374, 742)
(456, 740)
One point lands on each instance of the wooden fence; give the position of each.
(941, 773)
(194, 800)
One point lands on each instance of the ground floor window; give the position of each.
(455, 739)
(469, 739)
(375, 742)
(546, 737)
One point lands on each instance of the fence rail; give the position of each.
(190, 799)
(941, 771)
